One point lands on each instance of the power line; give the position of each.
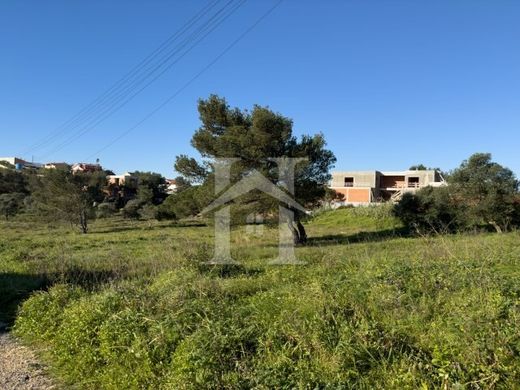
(187, 84)
(194, 39)
(78, 117)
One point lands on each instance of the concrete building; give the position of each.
(57, 165)
(85, 167)
(365, 187)
(126, 179)
(19, 163)
(171, 186)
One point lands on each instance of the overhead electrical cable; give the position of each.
(128, 94)
(86, 111)
(188, 83)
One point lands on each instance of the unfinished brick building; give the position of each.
(365, 187)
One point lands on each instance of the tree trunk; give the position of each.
(83, 222)
(495, 225)
(294, 231)
(301, 231)
(297, 230)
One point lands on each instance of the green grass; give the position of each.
(132, 305)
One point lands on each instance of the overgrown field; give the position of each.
(133, 305)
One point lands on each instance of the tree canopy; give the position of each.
(255, 137)
(152, 187)
(488, 189)
(481, 193)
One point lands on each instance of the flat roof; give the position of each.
(386, 173)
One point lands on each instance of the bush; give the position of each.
(481, 194)
(131, 209)
(165, 213)
(105, 210)
(181, 205)
(148, 212)
(11, 204)
(430, 210)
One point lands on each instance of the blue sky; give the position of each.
(389, 83)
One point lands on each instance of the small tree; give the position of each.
(10, 204)
(153, 184)
(148, 212)
(13, 181)
(61, 195)
(418, 167)
(332, 195)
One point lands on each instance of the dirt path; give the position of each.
(19, 367)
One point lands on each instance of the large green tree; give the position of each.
(256, 137)
(488, 189)
(480, 193)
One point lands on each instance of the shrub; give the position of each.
(131, 209)
(429, 210)
(181, 205)
(148, 212)
(481, 194)
(105, 210)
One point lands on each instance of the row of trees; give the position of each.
(56, 194)
(481, 193)
(255, 137)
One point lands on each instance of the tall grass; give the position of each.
(139, 308)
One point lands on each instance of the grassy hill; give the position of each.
(133, 305)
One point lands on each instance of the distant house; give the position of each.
(85, 167)
(126, 179)
(121, 188)
(19, 163)
(365, 187)
(171, 186)
(57, 165)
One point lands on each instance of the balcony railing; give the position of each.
(405, 185)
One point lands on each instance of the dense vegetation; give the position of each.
(135, 306)
(52, 195)
(481, 194)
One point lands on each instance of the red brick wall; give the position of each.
(355, 195)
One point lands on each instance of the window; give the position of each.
(413, 182)
(349, 182)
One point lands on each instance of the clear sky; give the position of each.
(389, 83)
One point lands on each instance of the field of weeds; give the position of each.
(134, 305)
